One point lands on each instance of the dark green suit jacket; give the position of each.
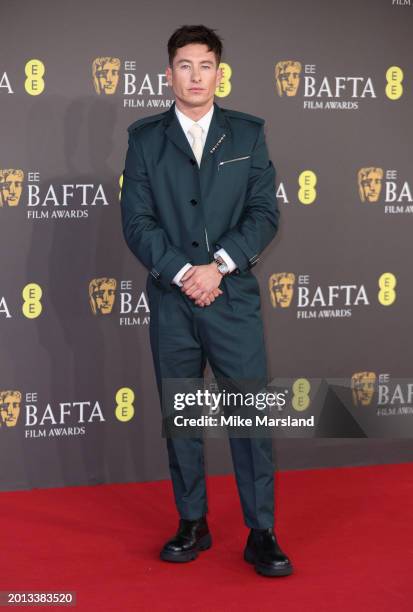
(174, 212)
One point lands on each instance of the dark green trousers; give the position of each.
(229, 333)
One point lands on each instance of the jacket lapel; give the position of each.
(175, 133)
(218, 137)
(219, 133)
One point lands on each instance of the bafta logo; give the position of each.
(11, 184)
(287, 77)
(363, 385)
(105, 72)
(281, 287)
(102, 293)
(369, 183)
(9, 408)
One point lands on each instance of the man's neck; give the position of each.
(192, 112)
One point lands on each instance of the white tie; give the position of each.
(196, 132)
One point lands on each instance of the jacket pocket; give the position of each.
(234, 159)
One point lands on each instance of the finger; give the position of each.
(197, 297)
(192, 278)
(201, 300)
(188, 273)
(205, 296)
(191, 289)
(197, 294)
(189, 284)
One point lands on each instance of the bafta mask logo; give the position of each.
(11, 184)
(287, 77)
(102, 293)
(363, 387)
(281, 287)
(9, 408)
(369, 182)
(106, 72)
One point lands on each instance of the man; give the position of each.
(198, 207)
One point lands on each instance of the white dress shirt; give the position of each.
(186, 123)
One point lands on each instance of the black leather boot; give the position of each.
(191, 537)
(262, 550)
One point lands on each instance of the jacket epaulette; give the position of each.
(240, 115)
(145, 120)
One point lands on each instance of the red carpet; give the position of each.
(348, 532)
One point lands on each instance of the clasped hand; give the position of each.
(201, 283)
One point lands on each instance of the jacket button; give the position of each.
(195, 243)
(194, 202)
(193, 162)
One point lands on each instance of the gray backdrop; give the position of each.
(63, 145)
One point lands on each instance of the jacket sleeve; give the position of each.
(144, 236)
(259, 222)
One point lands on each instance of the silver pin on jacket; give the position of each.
(217, 143)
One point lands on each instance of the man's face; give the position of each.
(194, 76)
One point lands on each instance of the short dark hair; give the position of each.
(188, 34)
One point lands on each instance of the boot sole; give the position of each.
(183, 557)
(266, 570)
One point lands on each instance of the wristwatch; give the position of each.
(221, 265)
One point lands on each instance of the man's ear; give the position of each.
(168, 74)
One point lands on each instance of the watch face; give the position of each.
(221, 265)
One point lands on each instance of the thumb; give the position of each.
(188, 274)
